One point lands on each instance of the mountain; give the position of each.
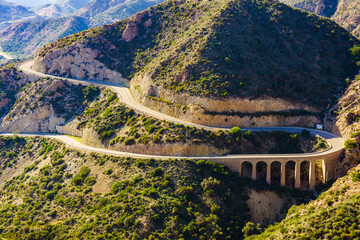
(25, 37)
(31, 3)
(11, 13)
(60, 8)
(345, 12)
(325, 8)
(234, 59)
(22, 38)
(115, 12)
(348, 15)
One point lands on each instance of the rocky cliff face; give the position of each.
(76, 62)
(11, 83)
(42, 105)
(91, 138)
(223, 112)
(345, 121)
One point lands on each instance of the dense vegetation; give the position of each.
(221, 48)
(108, 117)
(333, 215)
(60, 193)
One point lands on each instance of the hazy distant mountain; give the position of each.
(321, 7)
(31, 3)
(345, 12)
(21, 39)
(117, 12)
(60, 8)
(10, 12)
(24, 37)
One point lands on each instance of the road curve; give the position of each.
(336, 143)
(6, 56)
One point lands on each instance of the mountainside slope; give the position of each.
(345, 12)
(333, 215)
(348, 16)
(49, 191)
(218, 49)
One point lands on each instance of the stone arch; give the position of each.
(290, 174)
(275, 170)
(261, 169)
(304, 174)
(246, 169)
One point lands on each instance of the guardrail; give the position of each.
(69, 131)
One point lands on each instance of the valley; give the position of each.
(222, 119)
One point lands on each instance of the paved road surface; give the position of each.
(336, 142)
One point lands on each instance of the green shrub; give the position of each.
(355, 134)
(251, 229)
(11, 154)
(236, 132)
(50, 195)
(129, 141)
(350, 143)
(120, 185)
(111, 98)
(90, 181)
(90, 92)
(79, 178)
(356, 176)
(157, 172)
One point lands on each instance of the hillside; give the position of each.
(65, 193)
(108, 123)
(11, 83)
(181, 53)
(345, 12)
(347, 15)
(333, 215)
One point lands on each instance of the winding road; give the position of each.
(6, 56)
(336, 143)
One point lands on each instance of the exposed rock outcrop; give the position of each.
(91, 138)
(221, 112)
(42, 105)
(76, 62)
